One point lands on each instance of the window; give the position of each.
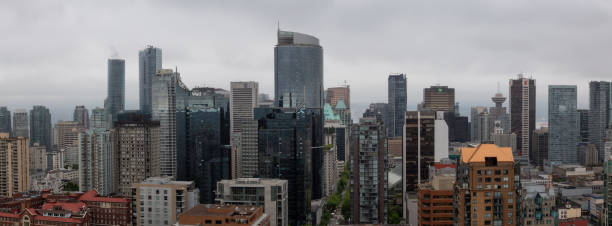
(218, 222)
(497, 172)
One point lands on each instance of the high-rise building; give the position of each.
(271, 194)
(38, 158)
(285, 151)
(159, 200)
(243, 128)
(5, 121)
(377, 110)
(486, 187)
(40, 127)
(420, 130)
(334, 94)
(439, 98)
(96, 161)
(168, 92)
(599, 114)
(298, 71)
(135, 139)
(81, 115)
(583, 125)
(368, 172)
(98, 118)
(149, 62)
(478, 117)
(499, 119)
(21, 127)
(458, 127)
(507, 140)
(522, 114)
(396, 112)
(587, 155)
(540, 144)
(562, 123)
(608, 189)
(115, 94)
(66, 138)
(14, 165)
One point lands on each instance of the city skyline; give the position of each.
(203, 58)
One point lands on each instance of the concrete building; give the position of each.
(505, 140)
(115, 90)
(562, 123)
(40, 127)
(209, 214)
(396, 111)
(66, 134)
(540, 146)
(55, 160)
(98, 118)
(159, 200)
(96, 161)
(272, 194)
(5, 121)
(587, 155)
(537, 205)
(439, 98)
(486, 187)
(522, 114)
(607, 190)
(81, 116)
(14, 165)
(135, 141)
(436, 200)
(368, 177)
(21, 126)
(38, 158)
(334, 94)
(440, 137)
(149, 62)
(599, 114)
(330, 159)
(499, 119)
(479, 128)
(243, 128)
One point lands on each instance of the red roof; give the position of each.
(13, 215)
(58, 219)
(72, 206)
(440, 166)
(92, 196)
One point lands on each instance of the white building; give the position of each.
(159, 200)
(243, 129)
(440, 137)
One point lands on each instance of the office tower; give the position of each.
(135, 139)
(243, 128)
(507, 140)
(206, 158)
(81, 115)
(478, 116)
(285, 151)
(418, 124)
(298, 71)
(583, 125)
(98, 118)
(377, 110)
(149, 62)
(439, 98)
(40, 126)
(165, 198)
(396, 111)
(599, 113)
(458, 127)
(38, 158)
(334, 94)
(168, 92)
(67, 139)
(21, 127)
(14, 165)
(231, 215)
(436, 199)
(608, 189)
(5, 121)
(271, 194)
(486, 187)
(541, 146)
(536, 203)
(587, 155)
(368, 172)
(562, 123)
(115, 88)
(96, 159)
(499, 119)
(522, 114)
(440, 137)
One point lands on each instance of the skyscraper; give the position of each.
(499, 119)
(562, 123)
(298, 71)
(81, 115)
(599, 114)
(522, 114)
(334, 94)
(66, 137)
(115, 95)
(40, 127)
(14, 165)
(98, 118)
(439, 98)
(149, 62)
(96, 161)
(368, 172)
(168, 92)
(540, 146)
(21, 127)
(583, 125)
(5, 121)
(478, 127)
(396, 112)
(244, 97)
(420, 130)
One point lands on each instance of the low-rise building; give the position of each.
(537, 205)
(436, 200)
(232, 215)
(159, 200)
(569, 212)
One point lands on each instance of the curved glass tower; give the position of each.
(115, 100)
(298, 71)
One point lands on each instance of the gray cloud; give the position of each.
(54, 53)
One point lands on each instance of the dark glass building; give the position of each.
(583, 122)
(562, 123)
(5, 120)
(541, 146)
(40, 127)
(458, 127)
(599, 114)
(340, 143)
(115, 95)
(522, 100)
(149, 62)
(427, 128)
(396, 112)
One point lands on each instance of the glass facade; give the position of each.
(40, 127)
(599, 113)
(115, 99)
(21, 125)
(396, 110)
(5, 120)
(149, 62)
(562, 124)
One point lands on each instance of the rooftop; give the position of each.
(221, 210)
(479, 153)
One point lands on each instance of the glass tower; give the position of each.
(115, 100)
(40, 126)
(396, 110)
(562, 123)
(149, 62)
(5, 120)
(599, 114)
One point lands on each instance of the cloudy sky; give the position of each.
(54, 52)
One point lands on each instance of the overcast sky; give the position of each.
(54, 53)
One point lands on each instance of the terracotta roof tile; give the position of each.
(478, 154)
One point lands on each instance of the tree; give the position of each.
(346, 204)
(71, 186)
